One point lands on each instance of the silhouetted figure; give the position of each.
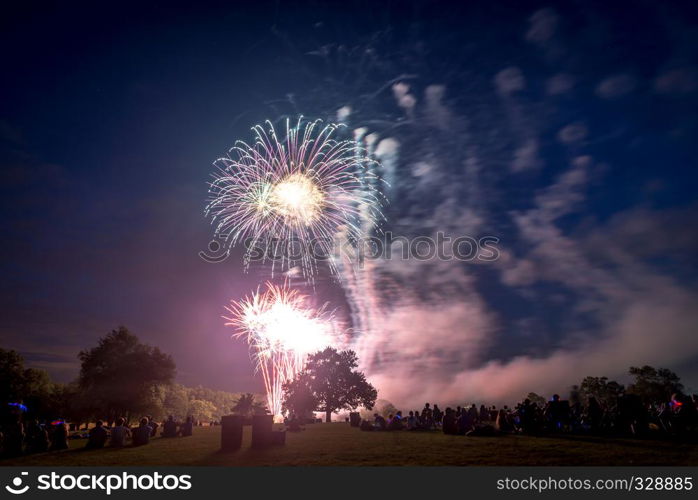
(503, 424)
(484, 414)
(366, 425)
(37, 438)
(594, 415)
(169, 428)
(141, 434)
(98, 436)
(379, 422)
(449, 422)
(473, 414)
(187, 428)
(466, 422)
(294, 424)
(59, 437)
(119, 434)
(13, 437)
(437, 415)
(685, 414)
(527, 416)
(411, 421)
(395, 422)
(557, 413)
(153, 426)
(632, 416)
(427, 417)
(493, 413)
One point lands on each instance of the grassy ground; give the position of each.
(339, 444)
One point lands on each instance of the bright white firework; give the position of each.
(281, 330)
(288, 197)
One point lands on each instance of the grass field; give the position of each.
(339, 444)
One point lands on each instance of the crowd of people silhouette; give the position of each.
(17, 438)
(627, 417)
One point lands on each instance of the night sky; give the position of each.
(567, 130)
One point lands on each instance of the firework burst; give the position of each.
(287, 198)
(281, 329)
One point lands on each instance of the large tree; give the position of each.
(331, 378)
(29, 386)
(299, 399)
(537, 399)
(121, 375)
(605, 391)
(654, 385)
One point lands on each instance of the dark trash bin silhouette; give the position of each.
(231, 432)
(262, 430)
(354, 419)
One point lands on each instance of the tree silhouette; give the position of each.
(121, 375)
(654, 385)
(299, 399)
(537, 399)
(247, 406)
(31, 387)
(331, 378)
(605, 391)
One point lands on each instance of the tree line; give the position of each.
(654, 386)
(120, 377)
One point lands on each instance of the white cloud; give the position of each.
(343, 113)
(509, 80)
(616, 86)
(559, 84)
(542, 26)
(677, 81)
(404, 99)
(526, 156)
(572, 133)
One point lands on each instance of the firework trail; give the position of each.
(281, 330)
(287, 198)
(357, 275)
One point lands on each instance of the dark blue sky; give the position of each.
(568, 130)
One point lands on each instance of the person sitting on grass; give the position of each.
(411, 421)
(465, 422)
(153, 426)
(379, 422)
(427, 416)
(187, 428)
(141, 434)
(98, 436)
(169, 428)
(119, 433)
(294, 424)
(449, 422)
(438, 415)
(503, 424)
(395, 422)
(418, 420)
(13, 437)
(37, 438)
(59, 437)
